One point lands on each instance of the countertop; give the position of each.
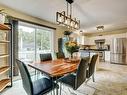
(94, 49)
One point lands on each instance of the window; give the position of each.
(33, 40)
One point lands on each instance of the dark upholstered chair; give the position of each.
(38, 87)
(60, 55)
(45, 57)
(91, 69)
(75, 80)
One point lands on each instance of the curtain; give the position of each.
(14, 45)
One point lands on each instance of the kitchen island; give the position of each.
(91, 52)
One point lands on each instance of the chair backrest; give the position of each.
(81, 72)
(26, 79)
(60, 55)
(45, 57)
(92, 65)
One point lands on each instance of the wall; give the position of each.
(59, 30)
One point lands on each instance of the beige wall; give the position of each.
(59, 30)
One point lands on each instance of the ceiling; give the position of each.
(110, 13)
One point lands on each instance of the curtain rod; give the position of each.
(14, 18)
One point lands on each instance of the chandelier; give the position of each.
(66, 18)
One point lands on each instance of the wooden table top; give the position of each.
(56, 67)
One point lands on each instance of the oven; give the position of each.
(100, 45)
(101, 55)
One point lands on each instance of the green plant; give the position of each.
(71, 47)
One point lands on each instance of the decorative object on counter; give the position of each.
(2, 16)
(66, 19)
(71, 47)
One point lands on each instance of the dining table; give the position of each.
(57, 67)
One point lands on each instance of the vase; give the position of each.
(71, 56)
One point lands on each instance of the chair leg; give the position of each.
(35, 77)
(93, 77)
(54, 92)
(51, 92)
(57, 91)
(60, 88)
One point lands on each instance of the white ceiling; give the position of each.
(110, 13)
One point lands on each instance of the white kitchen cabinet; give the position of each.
(107, 56)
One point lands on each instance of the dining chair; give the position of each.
(39, 87)
(60, 55)
(76, 80)
(48, 57)
(45, 57)
(91, 68)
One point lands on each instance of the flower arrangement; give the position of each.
(71, 47)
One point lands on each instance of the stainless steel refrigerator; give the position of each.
(119, 51)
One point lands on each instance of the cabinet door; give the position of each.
(107, 56)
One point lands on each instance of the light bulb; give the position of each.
(76, 25)
(66, 21)
(72, 24)
(60, 19)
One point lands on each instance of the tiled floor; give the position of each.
(110, 79)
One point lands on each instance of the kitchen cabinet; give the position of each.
(107, 56)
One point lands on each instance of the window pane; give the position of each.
(43, 41)
(26, 43)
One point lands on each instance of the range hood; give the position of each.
(100, 41)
